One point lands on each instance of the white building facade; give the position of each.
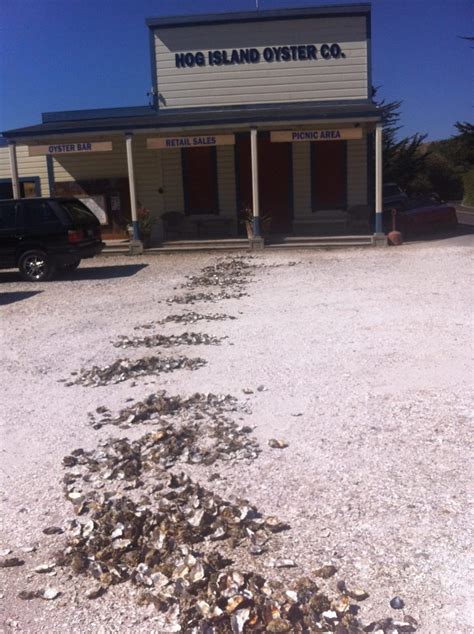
(263, 116)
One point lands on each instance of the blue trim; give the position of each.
(378, 223)
(50, 168)
(136, 230)
(258, 16)
(291, 188)
(368, 34)
(25, 179)
(345, 175)
(256, 226)
(154, 70)
(184, 173)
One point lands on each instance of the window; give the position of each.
(328, 175)
(29, 188)
(38, 213)
(200, 180)
(78, 212)
(8, 215)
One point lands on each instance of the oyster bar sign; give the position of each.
(293, 53)
(70, 148)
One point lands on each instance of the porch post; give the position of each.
(14, 169)
(378, 178)
(255, 200)
(131, 183)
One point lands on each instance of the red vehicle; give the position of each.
(422, 215)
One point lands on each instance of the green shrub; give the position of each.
(468, 180)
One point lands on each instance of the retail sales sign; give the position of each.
(206, 140)
(83, 147)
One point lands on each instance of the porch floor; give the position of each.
(116, 247)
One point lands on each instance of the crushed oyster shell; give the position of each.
(192, 298)
(168, 341)
(191, 317)
(160, 406)
(124, 369)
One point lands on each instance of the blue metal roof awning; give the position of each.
(129, 120)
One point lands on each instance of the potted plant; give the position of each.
(246, 216)
(145, 224)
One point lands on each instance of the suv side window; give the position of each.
(38, 213)
(8, 215)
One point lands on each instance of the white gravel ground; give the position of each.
(366, 359)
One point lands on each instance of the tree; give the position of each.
(404, 159)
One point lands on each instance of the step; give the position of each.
(226, 242)
(197, 248)
(320, 245)
(319, 239)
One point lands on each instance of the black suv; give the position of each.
(44, 235)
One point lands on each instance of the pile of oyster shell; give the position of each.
(124, 369)
(160, 406)
(225, 273)
(168, 341)
(193, 298)
(188, 317)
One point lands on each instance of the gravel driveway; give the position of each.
(364, 363)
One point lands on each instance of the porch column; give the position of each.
(378, 178)
(255, 201)
(131, 183)
(14, 169)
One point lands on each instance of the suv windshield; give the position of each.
(78, 212)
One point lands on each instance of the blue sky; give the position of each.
(74, 54)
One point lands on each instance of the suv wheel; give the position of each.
(35, 266)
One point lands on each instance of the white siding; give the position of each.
(172, 180)
(147, 167)
(226, 181)
(69, 167)
(357, 172)
(263, 82)
(76, 167)
(27, 166)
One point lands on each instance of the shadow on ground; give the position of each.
(11, 298)
(100, 272)
(430, 236)
(81, 274)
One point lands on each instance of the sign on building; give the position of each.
(160, 143)
(334, 134)
(81, 147)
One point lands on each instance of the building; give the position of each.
(264, 115)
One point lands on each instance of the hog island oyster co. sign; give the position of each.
(228, 57)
